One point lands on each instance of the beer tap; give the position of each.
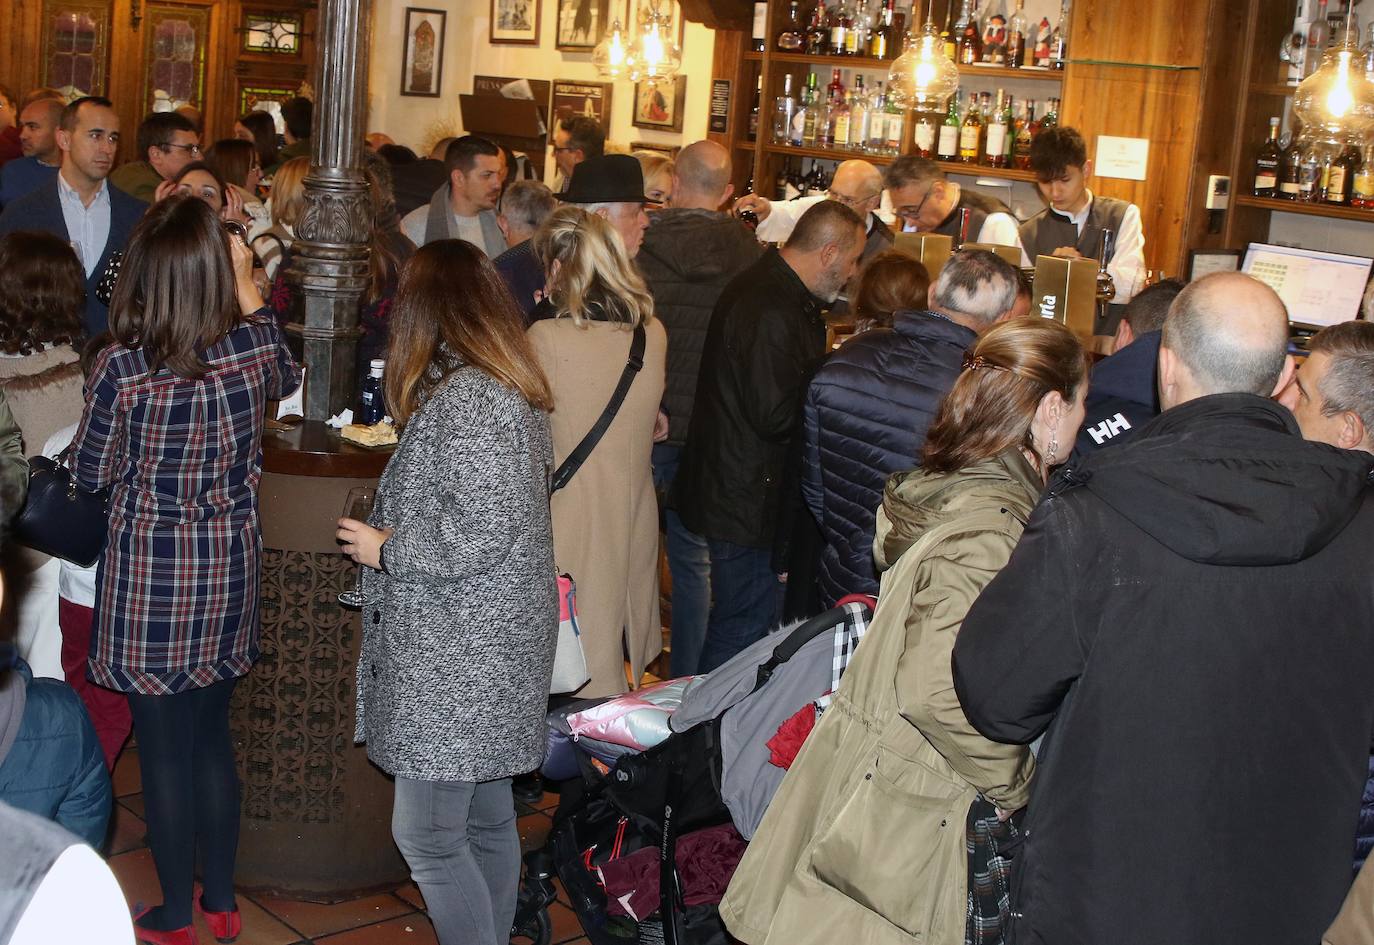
(965, 215)
(1106, 287)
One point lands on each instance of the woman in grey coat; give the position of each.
(459, 637)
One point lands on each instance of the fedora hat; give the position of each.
(610, 178)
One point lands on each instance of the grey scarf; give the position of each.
(439, 224)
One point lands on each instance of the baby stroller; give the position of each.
(703, 787)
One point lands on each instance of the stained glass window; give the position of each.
(272, 33)
(175, 56)
(75, 41)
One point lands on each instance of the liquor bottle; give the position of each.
(971, 38)
(995, 35)
(947, 147)
(817, 32)
(811, 113)
(839, 22)
(1267, 163)
(995, 147)
(1367, 55)
(856, 42)
(840, 115)
(784, 110)
(825, 123)
(971, 132)
(836, 87)
(1289, 169)
(792, 37)
(882, 43)
(1059, 39)
(1021, 146)
(1051, 116)
(877, 121)
(923, 133)
(1040, 46)
(1362, 194)
(859, 116)
(1341, 180)
(896, 126)
(759, 36)
(949, 36)
(371, 408)
(1018, 29)
(1310, 174)
(1008, 119)
(1318, 33)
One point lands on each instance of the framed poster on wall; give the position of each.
(581, 98)
(668, 10)
(422, 57)
(515, 22)
(581, 24)
(659, 104)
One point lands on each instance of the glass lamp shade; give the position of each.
(653, 55)
(1337, 101)
(923, 75)
(611, 55)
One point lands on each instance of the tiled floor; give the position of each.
(391, 918)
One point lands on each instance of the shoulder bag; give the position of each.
(59, 517)
(570, 662)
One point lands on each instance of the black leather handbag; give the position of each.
(60, 518)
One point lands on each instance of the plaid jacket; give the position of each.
(177, 587)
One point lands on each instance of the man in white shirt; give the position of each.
(925, 200)
(465, 206)
(856, 184)
(1071, 226)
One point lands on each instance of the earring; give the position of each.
(1053, 453)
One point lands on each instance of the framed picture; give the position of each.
(581, 24)
(515, 22)
(422, 62)
(665, 8)
(667, 150)
(581, 98)
(659, 104)
(1203, 262)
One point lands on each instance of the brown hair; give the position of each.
(42, 293)
(264, 132)
(232, 159)
(993, 402)
(889, 282)
(175, 293)
(288, 191)
(383, 262)
(433, 327)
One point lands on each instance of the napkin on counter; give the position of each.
(341, 420)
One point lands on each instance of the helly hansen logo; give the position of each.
(1108, 428)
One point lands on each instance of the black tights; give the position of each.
(191, 797)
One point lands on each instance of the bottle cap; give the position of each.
(377, 366)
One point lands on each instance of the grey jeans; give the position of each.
(463, 848)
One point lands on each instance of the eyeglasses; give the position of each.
(188, 148)
(911, 213)
(565, 148)
(851, 202)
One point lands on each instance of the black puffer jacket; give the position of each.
(688, 258)
(1191, 616)
(765, 341)
(866, 416)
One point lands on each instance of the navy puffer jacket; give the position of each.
(866, 415)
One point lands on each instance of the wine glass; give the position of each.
(358, 506)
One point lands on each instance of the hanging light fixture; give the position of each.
(644, 52)
(923, 75)
(1337, 101)
(610, 55)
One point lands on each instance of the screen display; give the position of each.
(1318, 288)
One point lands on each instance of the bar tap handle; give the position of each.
(1106, 288)
(965, 214)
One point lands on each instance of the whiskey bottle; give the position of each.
(1021, 146)
(994, 150)
(947, 146)
(1341, 180)
(882, 44)
(792, 38)
(840, 23)
(1017, 29)
(1362, 193)
(817, 32)
(859, 116)
(971, 38)
(971, 132)
(1310, 173)
(1267, 163)
(923, 134)
(759, 35)
(1290, 167)
(896, 121)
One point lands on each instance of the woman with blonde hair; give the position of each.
(869, 837)
(605, 522)
(285, 206)
(459, 637)
(658, 176)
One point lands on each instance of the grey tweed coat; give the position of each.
(458, 646)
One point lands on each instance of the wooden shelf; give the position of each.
(1330, 211)
(1272, 88)
(863, 62)
(950, 167)
(978, 170)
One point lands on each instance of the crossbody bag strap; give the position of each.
(569, 467)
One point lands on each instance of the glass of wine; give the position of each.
(358, 506)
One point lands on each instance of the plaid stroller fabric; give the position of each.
(847, 637)
(991, 845)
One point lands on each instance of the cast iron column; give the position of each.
(330, 253)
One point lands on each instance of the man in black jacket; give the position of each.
(1190, 616)
(765, 339)
(690, 252)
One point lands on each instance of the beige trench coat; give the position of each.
(864, 842)
(605, 522)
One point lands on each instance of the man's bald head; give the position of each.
(1226, 333)
(857, 178)
(701, 176)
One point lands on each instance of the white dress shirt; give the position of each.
(88, 228)
(1127, 267)
(783, 217)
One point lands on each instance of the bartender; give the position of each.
(857, 184)
(927, 201)
(1071, 226)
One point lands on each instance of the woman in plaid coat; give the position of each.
(173, 424)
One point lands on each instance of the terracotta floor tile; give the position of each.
(565, 924)
(138, 878)
(411, 894)
(548, 802)
(313, 919)
(534, 831)
(126, 777)
(127, 831)
(413, 929)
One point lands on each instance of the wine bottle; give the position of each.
(1267, 163)
(947, 147)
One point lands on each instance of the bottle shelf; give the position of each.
(1327, 210)
(978, 170)
(864, 62)
(1272, 88)
(950, 167)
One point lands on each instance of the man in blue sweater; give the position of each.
(42, 157)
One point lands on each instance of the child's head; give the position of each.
(1059, 160)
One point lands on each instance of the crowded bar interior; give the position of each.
(587, 472)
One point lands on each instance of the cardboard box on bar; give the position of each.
(932, 249)
(1011, 254)
(1066, 290)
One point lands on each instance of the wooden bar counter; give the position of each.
(316, 814)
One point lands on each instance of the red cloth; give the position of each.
(109, 710)
(9, 144)
(706, 859)
(783, 747)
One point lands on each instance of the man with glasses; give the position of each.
(575, 139)
(856, 184)
(167, 142)
(926, 201)
(78, 205)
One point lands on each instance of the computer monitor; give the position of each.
(1318, 288)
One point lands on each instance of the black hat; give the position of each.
(610, 178)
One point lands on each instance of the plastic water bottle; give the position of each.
(372, 409)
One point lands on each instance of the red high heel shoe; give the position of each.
(225, 926)
(186, 935)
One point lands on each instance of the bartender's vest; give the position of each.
(979, 206)
(1045, 232)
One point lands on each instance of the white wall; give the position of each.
(417, 122)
